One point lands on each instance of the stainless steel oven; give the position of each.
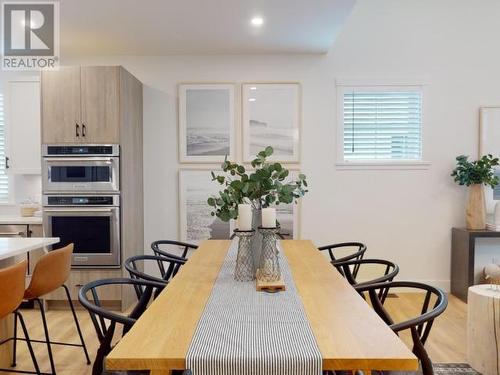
(90, 222)
(80, 168)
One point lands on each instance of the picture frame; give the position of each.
(289, 215)
(489, 143)
(271, 116)
(195, 220)
(206, 122)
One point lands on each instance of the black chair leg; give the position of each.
(421, 353)
(47, 338)
(77, 324)
(28, 342)
(103, 350)
(14, 345)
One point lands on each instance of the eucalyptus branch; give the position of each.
(264, 187)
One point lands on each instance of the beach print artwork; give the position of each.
(206, 122)
(196, 222)
(271, 117)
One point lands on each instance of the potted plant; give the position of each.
(265, 186)
(475, 174)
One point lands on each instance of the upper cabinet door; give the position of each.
(100, 104)
(61, 114)
(23, 127)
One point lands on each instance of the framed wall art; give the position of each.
(195, 221)
(206, 123)
(271, 116)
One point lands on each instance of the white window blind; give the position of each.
(382, 125)
(4, 179)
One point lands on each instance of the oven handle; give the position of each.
(79, 209)
(8, 234)
(71, 159)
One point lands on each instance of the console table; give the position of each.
(463, 248)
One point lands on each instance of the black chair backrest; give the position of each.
(158, 248)
(390, 271)
(89, 299)
(357, 254)
(168, 268)
(419, 326)
(346, 268)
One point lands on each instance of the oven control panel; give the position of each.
(81, 150)
(81, 200)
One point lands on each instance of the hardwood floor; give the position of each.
(447, 342)
(448, 338)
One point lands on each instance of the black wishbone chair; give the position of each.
(420, 326)
(158, 248)
(105, 321)
(357, 254)
(390, 271)
(168, 268)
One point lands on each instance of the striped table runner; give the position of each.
(245, 332)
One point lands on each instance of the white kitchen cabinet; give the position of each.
(23, 127)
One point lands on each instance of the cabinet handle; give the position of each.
(77, 130)
(84, 130)
(7, 159)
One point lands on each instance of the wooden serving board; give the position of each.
(269, 286)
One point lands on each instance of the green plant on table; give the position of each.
(266, 185)
(480, 171)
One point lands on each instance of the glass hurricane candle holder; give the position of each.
(244, 270)
(269, 266)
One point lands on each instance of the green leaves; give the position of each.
(264, 187)
(476, 172)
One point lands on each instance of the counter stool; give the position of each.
(12, 281)
(50, 273)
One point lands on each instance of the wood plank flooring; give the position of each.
(447, 342)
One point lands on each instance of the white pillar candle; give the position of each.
(244, 217)
(269, 217)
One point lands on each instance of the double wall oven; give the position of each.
(81, 199)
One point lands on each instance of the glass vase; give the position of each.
(269, 266)
(244, 270)
(257, 238)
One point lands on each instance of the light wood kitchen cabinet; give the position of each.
(79, 278)
(81, 105)
(108, 102)
(61, 105)
(100, 98)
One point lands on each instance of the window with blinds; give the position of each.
(4, 179)
(382, 125)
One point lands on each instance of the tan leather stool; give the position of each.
(50, 273)
(12, 281)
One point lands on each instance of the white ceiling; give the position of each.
(163, 27)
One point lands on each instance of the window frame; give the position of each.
(348, 85)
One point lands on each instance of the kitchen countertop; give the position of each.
(10, 247)
(20, 220)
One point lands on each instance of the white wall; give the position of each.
(403, 215)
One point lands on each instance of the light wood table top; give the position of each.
(348, 332)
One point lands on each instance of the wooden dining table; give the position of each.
(348, 333)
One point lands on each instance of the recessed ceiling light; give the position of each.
(253, 88)
(252, 99)
(257, 21)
